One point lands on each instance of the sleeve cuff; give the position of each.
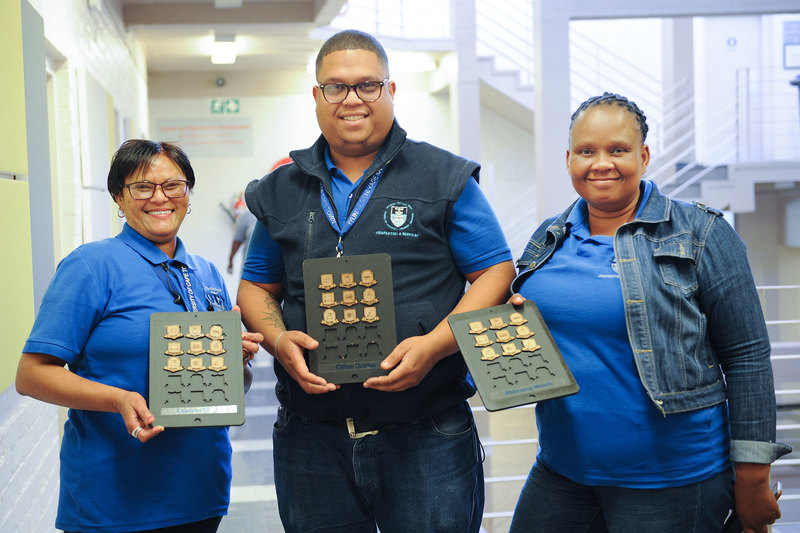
(750, 451)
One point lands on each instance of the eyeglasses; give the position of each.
(144, 190)
(367, 91)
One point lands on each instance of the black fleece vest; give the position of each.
(421, 183)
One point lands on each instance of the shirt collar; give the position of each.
(150, 251)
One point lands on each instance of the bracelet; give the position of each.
(277, 341)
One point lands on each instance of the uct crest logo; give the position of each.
(398, 215)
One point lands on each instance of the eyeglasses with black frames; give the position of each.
(367, 91)
(144, 190)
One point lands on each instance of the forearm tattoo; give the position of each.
(272, 313)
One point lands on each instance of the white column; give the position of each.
(465, 94)
(551, 107)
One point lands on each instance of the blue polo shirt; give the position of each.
(472, 232)
(609, 433)
(95, 316)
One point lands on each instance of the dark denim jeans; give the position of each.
(551, 503)
(423, 477)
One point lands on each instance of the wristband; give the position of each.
(277, 341)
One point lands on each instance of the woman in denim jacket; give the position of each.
(653, 305)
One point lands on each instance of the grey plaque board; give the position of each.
(350, 311)
(511, 355)
(196, 369)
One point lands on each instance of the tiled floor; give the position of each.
(253, 504)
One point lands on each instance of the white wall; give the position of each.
(772, 261)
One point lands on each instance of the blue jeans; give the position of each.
(551, 503)
(425, 476)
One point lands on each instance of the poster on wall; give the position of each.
(209, 137)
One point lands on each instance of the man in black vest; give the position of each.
(399, 452)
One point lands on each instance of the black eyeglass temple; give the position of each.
(178, 299)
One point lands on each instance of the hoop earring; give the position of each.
(121, 213)
(189, 210)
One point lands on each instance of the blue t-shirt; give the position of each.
(472, 232)
(610, 433)
(95, 316)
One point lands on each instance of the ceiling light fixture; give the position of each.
(223, 50)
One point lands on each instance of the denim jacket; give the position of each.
(693, 316)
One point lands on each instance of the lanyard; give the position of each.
(185, 272)
(354, 214)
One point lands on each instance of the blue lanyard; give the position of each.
(185, 272)
(354, 214)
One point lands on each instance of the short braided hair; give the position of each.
(613, 99)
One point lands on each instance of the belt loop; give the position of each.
(351, 429)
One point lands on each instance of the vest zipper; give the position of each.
(309, 234)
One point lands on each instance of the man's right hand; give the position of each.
(290, 350)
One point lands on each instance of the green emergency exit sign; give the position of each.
(224, 106)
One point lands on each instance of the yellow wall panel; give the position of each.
(13, 145)
(16, 293)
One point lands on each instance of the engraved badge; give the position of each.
(476, 327)
(328, 300)
(326, 282)
(196, 364)
(329, 317)
(504, 336)
(173, 364)
(510, 349)
(516, 319)
(368, 298)
(530, 345)
(483, 340)
(370, 315)
(195, 348)
(348, 281)
(216, 348)
(523, 332)
(367, 278)
(217, 364)
(488, 354)
(349, 298)
(195, 331)
(350, 316)
(174, 348)
(215, 332)
(173, 332)
(496, 322)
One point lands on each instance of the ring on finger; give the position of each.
(135, 432)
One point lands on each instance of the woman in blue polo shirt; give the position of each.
(88, 351)
(653, 305)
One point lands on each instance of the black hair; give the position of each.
(353, 40)
(613, 99)
(135, 155)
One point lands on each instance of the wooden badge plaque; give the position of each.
(511, 355)
(196, 369)
(350, 311)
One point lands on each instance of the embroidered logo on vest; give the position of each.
(398, 215)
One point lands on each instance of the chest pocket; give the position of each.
(214, 299)
(677, 263)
